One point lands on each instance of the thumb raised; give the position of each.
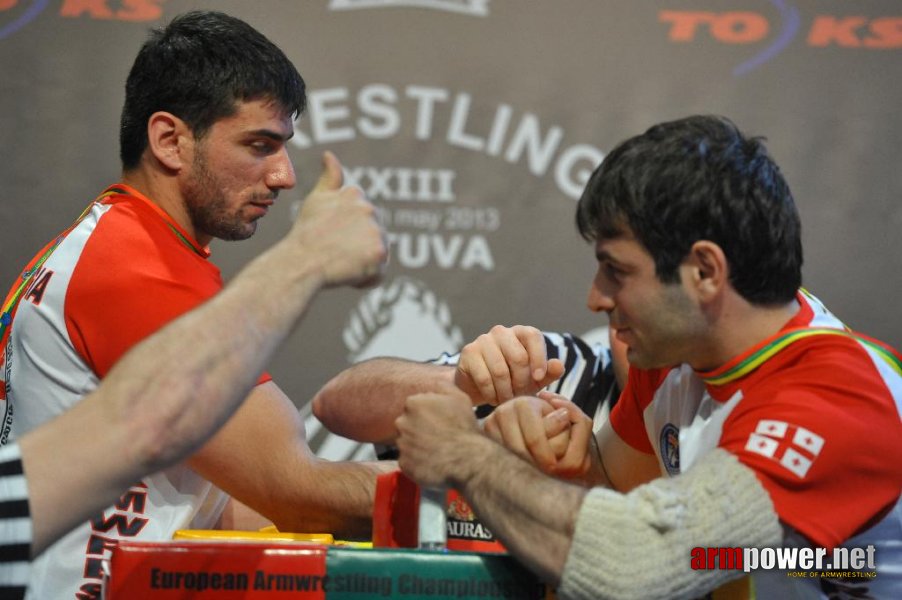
(331, 178)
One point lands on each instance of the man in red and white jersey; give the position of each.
(209, 108)
(752, 417)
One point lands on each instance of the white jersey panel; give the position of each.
(56, 378)
(40, 351)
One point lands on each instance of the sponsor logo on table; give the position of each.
(462, 523)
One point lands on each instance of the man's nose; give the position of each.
(598, 301)
(281, 173)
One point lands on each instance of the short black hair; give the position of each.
(700, 178)
(198, 67)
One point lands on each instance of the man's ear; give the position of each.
(168, 139)
(709, 269)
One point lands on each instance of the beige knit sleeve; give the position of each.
(638, 545)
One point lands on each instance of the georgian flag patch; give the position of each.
(793, 447)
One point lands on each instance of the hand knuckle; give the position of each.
(499, 372)
(471, 350)
(481, 379)
(519, 357)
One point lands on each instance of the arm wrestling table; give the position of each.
(204, 565)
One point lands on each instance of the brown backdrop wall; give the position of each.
(473, 125)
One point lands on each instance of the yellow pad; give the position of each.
(267, 534)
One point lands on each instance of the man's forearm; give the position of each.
(363, 401)
(337, 498)
(204, 381)
(165, 397)
(531, 513)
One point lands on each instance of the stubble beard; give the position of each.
(207, 207)
(675, 327)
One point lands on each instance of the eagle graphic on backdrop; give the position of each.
(401, 318)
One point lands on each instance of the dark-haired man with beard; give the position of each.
(208, 111)
(752, 417)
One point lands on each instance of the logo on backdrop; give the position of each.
(382, 323)
(749, 27)
(19, 14)
(436, 220)
(478, 8)
(16, 14)
(431, 223)
(401, 318)
(377, 111)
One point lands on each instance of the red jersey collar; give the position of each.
(802, 318)
(121, 189)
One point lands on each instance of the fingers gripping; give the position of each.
(504, 363)
(576, 459)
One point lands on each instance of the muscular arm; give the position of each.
(363, 401)
(561, 531)
(441, 445)
(601, 543)
(261, 458)
(165, 398)
(533, 515)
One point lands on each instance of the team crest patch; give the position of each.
(794, 447)
(670, 448)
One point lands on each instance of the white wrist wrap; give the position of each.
(638, 545)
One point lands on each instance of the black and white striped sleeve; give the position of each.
(15, 525)
(587, 381)
(587, 374)
(587, 377)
